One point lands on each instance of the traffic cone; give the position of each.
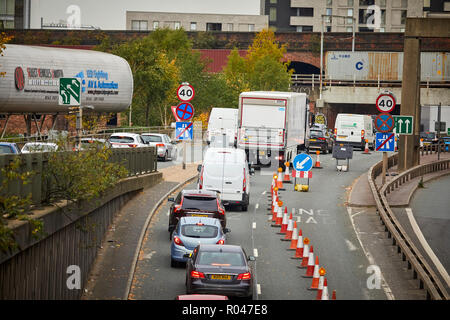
(320, 287)
(294, 239)
(310, 268)
(318, 273)
(278, 217)
(300, 246)
(317, 164)
(305, 256)
(284, 222)
(366, 148)
(287, 176)
(325, 291)
(289, 229)
(333, 296)
(280, 180)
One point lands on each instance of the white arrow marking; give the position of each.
(407, 125)
(400, 121)
(75, 82)
(300, 164)
(70, 88)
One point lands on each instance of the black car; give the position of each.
(320, 140)
(219, 269)
(428, 138)
(196, 203)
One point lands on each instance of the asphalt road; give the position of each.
(322, 216)
(193, 153)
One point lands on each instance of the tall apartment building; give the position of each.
(344, 15)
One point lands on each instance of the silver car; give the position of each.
(165, 148)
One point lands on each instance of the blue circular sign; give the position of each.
(384, 122)
(302, 162)
(185, 111)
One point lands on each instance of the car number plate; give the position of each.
(220, 277)
(312, 139)
(199, 215)
(342, 137)
(261, 153)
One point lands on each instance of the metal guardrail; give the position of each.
(137, 161)
(428, 279)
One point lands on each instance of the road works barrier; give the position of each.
(428, 279)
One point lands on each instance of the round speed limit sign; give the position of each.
(385, 102)
(185, 92)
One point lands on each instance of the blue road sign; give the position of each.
(385, 141)
(185, 111)
(384, 122)
(302, 162)
(184, 131)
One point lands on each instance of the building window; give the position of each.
(350, 14)
(382, 3)
(366, 2)
(304, 28)
(193, 26)
(251, 27)
(328, 12)
(305, 12)
(349, 3)
(229, 27)
(403, 17)
(139, 25)
(213, 26)
(272, 14)
(329, 3)
(155, 25)
(273, 1)
(404, 3)
(365, 29)
(7, 11)
(177, 25)
(328, 29)
(349, 29)
(364, 15)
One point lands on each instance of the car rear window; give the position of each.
(222, 259)
(121, 139)
(147, 138)
(316, 134)
(5, 149)
(200, 203)
(199, 231)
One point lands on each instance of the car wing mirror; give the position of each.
(171, 199)
(252, 171)
(251, 258)
(226, 230)
(199, 168)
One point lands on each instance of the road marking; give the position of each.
(387, 290)
(254, 225)
(264, 193)
(257, 206)
(255, 253)
(426, 246)
(258, 289)
(350, 245)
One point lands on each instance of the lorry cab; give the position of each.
(226, 171)
(354, 129)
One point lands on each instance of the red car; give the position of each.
(196, 203)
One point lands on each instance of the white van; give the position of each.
(226, 171)
(222, 120)
(354, 129)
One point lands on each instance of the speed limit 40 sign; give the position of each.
(185, 92)
(385, 102)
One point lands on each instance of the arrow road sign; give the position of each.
(385, 141)
(69, 92)
(403, 124)
(302, 162)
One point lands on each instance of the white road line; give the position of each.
(257, 206)
(254, 225)
(255, 253)
(387, 290)
(350, 245)
(258, 289)
(426, 246)
(264, 192)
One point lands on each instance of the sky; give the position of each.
(111, 14)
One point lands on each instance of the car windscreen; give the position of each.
(199, 203)
(316, 134)
(121, 139)
(220, 259)
(199, 231)
(151, 138)
(5, 149)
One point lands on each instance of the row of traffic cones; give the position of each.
(301, 246)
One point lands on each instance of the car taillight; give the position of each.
(159, 145)
(280, 157)
(177, 208)
(177, 241)
(200, 184)
(221, 241)
(320, 138)
(362, 134)
(221, 211)
(335, 131)
(132, 145)
(244, 276)
(244, 183)
(197, 274)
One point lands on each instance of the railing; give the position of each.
(137, 161)
(428, 280)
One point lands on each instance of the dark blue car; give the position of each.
(9, 148)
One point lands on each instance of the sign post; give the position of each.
(302, 166)
(70, 95)
(385, 123)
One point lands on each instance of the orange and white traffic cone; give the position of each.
(310, 268)
(287, 176)
(284, 222)
(280, 180)
(333, 296)
(289, 229)
(366, 148)
(325, 291)
(306, 251)
(320, 287)
(294, 239)
(300, 246)
(279, 217)
(317, 164)
(318, 273)
(274, 208)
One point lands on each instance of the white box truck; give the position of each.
(272, 126)
(354, 129)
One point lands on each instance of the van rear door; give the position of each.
(227, 178)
